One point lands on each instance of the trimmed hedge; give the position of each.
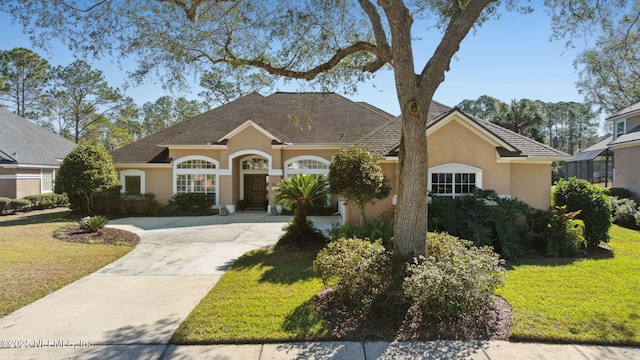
(4, 204)
(47, 201)
(19, 204)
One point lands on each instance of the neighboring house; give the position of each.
(29, 156)
(626, 148)
(241, 150)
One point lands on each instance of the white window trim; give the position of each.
(456, 168)
(215, 172)
(53, 179)
(288, 172)
(125, 173)
(624, 125)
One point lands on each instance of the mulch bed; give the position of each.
(492, 323)
(109, 236)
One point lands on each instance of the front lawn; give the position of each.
(578, 300)
(33, 263)
(267, 296)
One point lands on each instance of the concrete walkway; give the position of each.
(130, 308)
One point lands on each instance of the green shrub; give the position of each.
(564, 232)
(359, 269)
(314, 210)
(620, 193)
(4, 204)
(48, 200)
(454, 279)
(93, 223)
(372, 229)
(19, 204)
(191, 204)
(301, 232)
(484, 218)
(116, 203)
(86, 171)
(637, 216)
(624, 213)
(578, 194)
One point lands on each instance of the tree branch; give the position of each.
(190, 11)
(313, 72)
(378, 29)
(461, 22)
(99, 3)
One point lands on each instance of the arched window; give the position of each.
(306, 165)
(454, 179)
(255, 164)
(196, 174)
(309, 165)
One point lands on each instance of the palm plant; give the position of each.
(299, 192)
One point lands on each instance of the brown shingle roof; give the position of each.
(309, 119)
(386, 139)
(292, 118)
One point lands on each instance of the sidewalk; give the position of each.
(437, 350)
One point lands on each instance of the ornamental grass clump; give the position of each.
(92, 224)
(454, 279)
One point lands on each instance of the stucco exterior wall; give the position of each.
(531, 183)
(627, 168)
(454, 143)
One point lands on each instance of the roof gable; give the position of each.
(385, 140)
(471, 125)
(244, 126)
(630, 110)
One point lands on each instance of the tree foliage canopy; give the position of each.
(330, 44)
(85, 171)
(609, 70)
(24, 76)
(355, 175)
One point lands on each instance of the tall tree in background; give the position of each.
(485, 107)
(571, 126)
(610, 70)
(166, 111)
(81, 100)
(332, 44)
(566, 126)
(227, 84)
(24, 77)
(524, 117)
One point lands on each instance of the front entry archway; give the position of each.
(255, 190)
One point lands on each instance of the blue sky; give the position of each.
(508, 58)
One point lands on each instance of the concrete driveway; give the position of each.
(141, 298)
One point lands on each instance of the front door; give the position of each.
(255, 190)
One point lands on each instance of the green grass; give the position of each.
(579, 300)
(33, 263)
(266, 296)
